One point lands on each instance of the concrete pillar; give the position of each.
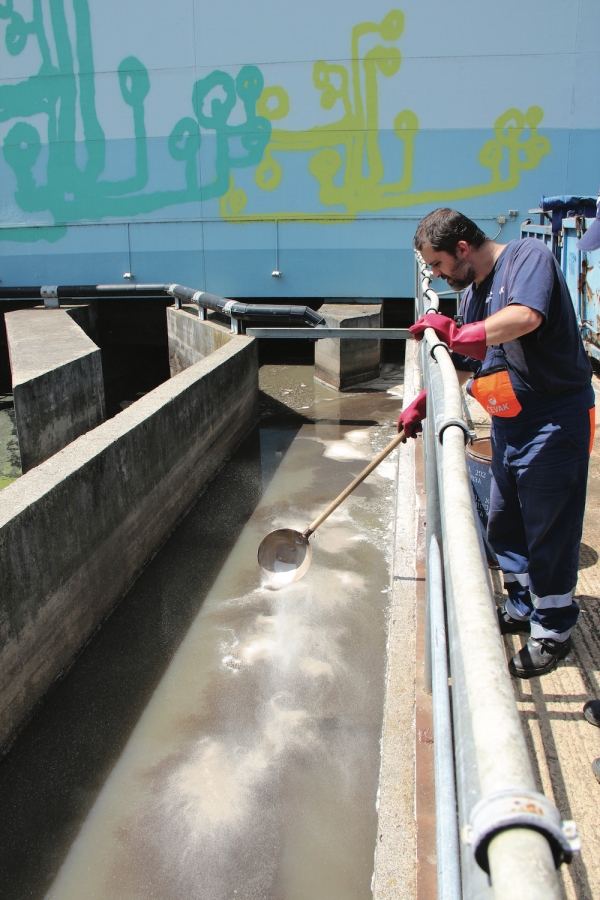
(57, 381)
(343, 363)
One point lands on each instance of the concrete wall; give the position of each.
(57, 380)
(191, 338)
(76, 530)
(346, 362)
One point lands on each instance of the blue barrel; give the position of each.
(479, 464)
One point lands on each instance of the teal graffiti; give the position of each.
(74, 189)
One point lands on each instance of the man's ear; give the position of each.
(462, 249)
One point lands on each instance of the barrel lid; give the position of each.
(480, 449)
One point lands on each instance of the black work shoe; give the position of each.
(538, 657)
(508, 625)
(596, 768)
(591, 711)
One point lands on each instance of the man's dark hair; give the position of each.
(444, 228)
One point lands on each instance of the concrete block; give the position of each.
(76, 531)
(57, 381)
(344, 363)
(191, 339)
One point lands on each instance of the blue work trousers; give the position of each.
(539, 479)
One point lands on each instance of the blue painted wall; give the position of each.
(213, 143)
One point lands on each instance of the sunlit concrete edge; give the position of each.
(394, 876)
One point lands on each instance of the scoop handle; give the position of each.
(354, 484)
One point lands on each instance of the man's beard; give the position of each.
(462, 277)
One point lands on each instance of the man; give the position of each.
(521, 348)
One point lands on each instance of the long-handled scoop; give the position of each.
(285, 554)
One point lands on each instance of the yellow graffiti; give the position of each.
(346, 159)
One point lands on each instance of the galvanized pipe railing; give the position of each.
(508, 829)
(447, 841)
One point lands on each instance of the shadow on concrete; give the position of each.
(587, 557)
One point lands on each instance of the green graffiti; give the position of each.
(74, 189)
(346, 159)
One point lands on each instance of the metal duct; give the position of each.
(244, 310)
(181, 293)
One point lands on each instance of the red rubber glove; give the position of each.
(470, 340)
(410, 418)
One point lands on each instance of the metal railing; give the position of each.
(238, 313)
(510, 837)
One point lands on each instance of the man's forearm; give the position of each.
(511, 323)
(474, 338)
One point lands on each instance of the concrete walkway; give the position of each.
(561, 742)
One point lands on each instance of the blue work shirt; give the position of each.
(550, 360)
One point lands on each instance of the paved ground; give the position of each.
(562, 743)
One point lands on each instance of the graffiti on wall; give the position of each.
(344, 156)
(75, 190)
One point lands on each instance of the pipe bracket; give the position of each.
(49, 293)
(469, 435)
(170, 289)
(435, 346)
(519, 809)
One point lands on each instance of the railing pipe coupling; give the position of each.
(435, 346)
(49, 293)
(519, 809)
(446, 423)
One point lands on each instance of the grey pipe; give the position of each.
(188, 295)
(244, 310)
(491, 754)
(432, 514)
(448, 856)
(79, 291)
(432, 528)
(500, 752)
(475, 883)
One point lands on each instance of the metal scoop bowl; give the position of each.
(285, 555)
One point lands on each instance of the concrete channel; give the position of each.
(178, 729)
(216, 738)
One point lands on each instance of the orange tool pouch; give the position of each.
(492, 388)
(592, 427)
